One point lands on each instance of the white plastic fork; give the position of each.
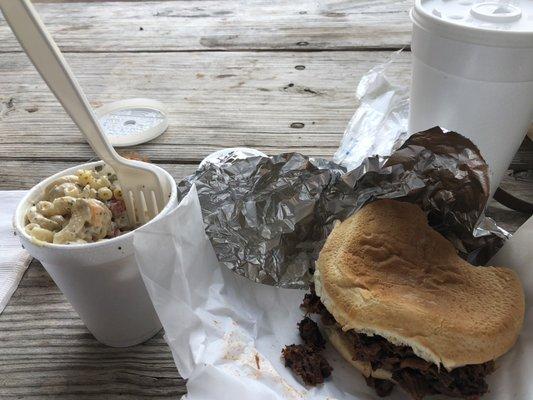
(141, 188)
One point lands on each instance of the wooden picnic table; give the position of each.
(274, 75)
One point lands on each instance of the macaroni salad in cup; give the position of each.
(82, 208)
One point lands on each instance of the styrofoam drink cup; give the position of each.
(473, 73)
(101, 280)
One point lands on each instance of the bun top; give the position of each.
(385, 271)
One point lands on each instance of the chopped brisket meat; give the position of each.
(306, 362)
(313, 305)
(381, 386)
(414, 374)
(417, 376)
(310, 334)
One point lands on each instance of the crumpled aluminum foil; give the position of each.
(380, 125)
(268, 217)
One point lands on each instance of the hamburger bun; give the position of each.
(384, 271)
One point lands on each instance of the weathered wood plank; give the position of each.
(519, 184)
(523, 160)
(94, 1)
(214, 100)
(46, 352)
(25, 174)
(18, 174)
(222, 25)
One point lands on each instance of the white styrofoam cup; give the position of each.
(473, 73)
(101, 280)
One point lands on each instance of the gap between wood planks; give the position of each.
(280, 25)
(77, 161)
(252, 50)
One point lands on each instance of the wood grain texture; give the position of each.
(214, 100)
(223, 25)
(47, 353)
(17, 174)
(519, 184)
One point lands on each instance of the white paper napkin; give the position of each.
(14, 260)
(226, 332)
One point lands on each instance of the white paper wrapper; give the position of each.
(379, 125)
(226, 332)
(14, 260)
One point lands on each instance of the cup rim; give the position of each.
(477, 35)
(21, 232)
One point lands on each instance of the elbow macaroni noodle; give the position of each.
(80, 208)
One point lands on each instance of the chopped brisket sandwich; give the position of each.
(403, 308)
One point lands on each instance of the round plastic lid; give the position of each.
(132, 121)
(492, 22)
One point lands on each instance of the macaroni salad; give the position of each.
(81, 208)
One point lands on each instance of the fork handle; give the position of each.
(48, 60)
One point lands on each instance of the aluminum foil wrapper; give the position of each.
(268, 217)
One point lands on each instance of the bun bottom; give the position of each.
(337, 338)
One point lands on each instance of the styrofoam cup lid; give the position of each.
(132, 121)
(491, 22)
